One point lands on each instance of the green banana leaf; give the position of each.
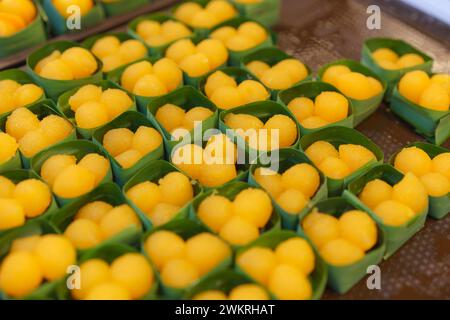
(266, 12)
(115, 8)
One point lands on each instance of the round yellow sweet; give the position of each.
(302, 108)
(174, 30)
(355, 156)
(375, 192)
(98, 165)
(248, 291)
(20, 274)
(176, 189)
(133, 272)
(215, 211)
(203, 19)
(216, 80)
(149, 86)
(206, 251)
(105, 46)
(62, 6)
(26, 243)
(286, 127)
(334, 168)
(240, 42)
(314, 122)
(393, 213)
(170, 116)
(132, 50)
(258, 263)
(180, 50)
(296, 252)
(223, 33)
(163, 246)
(57, 70)
(146, 140)
(331, 106)
(227, 97)
(54, 253)
(442, 79)
(243, 121)
(8, 147)
(412, 84)
(238, 231)
(253, 205)
(323, 230)
(376, 85)
(189, 159)
(80, 61)
(269, 180)
(83, 233)
(24, 9)
(253, 30)
(332, 73)
(179, 273)
(33, 142)
(117, 220)
(134, 72)
(94, 211)
(12, 214)
(413, 159)
(74, 181)
(435, 97)
(112, 62)
(27, 94)
(52, 56)
(55, 128)
(222, 9)
(91, 115)
(85, 94)
(388, 65)
(168, 72)
(411, 192)
(441, 164)
(92, 273)
(289, 283)
(117, 102)
(210, 295)
(216, 174)
(20, 122)
(341, 252)
(294, 68)
(385, 54)
(163, 213)
(258, 68)
(358, 227)
(196, 65)
(195, 115)
(54, 165)
(186, 10)
(436, 184)
(410, 60)
(6, 187)
(34, 196)
(220, 149)
(214, 50)
(252, 91)
(292, 201)
(303, 177)
(311, 219)
(275, 78)
(108, 291)
(118, 140)
(355, 85)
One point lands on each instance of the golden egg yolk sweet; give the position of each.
(303, 177)
(168, 72)
(223, 10)
(292, 201)
(240, 42)
(23, 9)
(57, 70)
(145, 195)
(286, 127)
(27, 94)
(334, 168)
(146, 140)
(355, 156)
(34, 196)
(411, 192)
(331, 106)
(302, 108)
(332, 73)
(341, 252)
(294, 68)
(258, 68)
(323, 230)
(243, 121)
(170, 116)
(223, 33)
(321, 150)
(163, 246)
(195, 65)
(385, 54)
(54, 165)
(98, 165)
(354, 85)
(357, 227)
(176, 189)
(435, 97)
(269, 180)
(6, 187)
(216, 174)
(215, 211)
(248, 291)
(26, 243)
(33, 142)
(189, 159)
(62, 6)
(253, 205)
(8, 147)
(214, 50)
(108, 291)
(134, 72)
(80, 61)
(216, 80)
(275, 78)
(210, 295)
(258, 263)
(180, 50)
(442, 79)
(288, 283)
(375, 192)
(186, 10)
(20, 122)
(12, 214)
(194, 116)
(85, 94)
(118, 140)
(220, 148)
(376, 85)
(238, 231)
(436, 184)
(227, 97)
(412, 84)
(296, 252)
(91, 115)
(55, 128)
(83, 233)
(132, 50)
(117, 220)
(314, 122)
(413, 159)
(149, 86)
(74, 181)
(179, 273)
(128, 158)
(92, 273)
(394, 213)
(441, 164)
(117, 102)
(105, 46)
(203, 19)
(94, 211)
(163, 213)
(410, 60)
(252, 91)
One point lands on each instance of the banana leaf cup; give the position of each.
(271, 240)
(342, 278)
(115, 8)
(223, 281)
(400, 47)
(186, 98)
(60, 25)
(79, 149)
(432, 124)
(48, 289)
(230, 191)
(64, 107)
(271, 56)
(154, 171)
(156, 52)
(341, 135)
(362, 109)
(266, 12)
(235, 57)
(14, 163)
(109, 193)
(186, 229)
(263, 110)
(396, 236)
(42, 109)
(311, 89)
(286, 159)
(32, 35)
(439, 207)
(54, 88)
(131, 120)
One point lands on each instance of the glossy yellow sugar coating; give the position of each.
(54, 165)
(243, 121)
(287, 129)
(83, 233)
(334, 168)
(20, 122)
(355, 156)
(179, 273)
(93, 272)
(253, 205)
(74, 181)
(220, 149)
(331, 106)
(116, 101)
(258, 263)
(238, 231)
(6, 187)
(170, 116)
(195, 65)
(216, 174)
(269, 180)
(56, 69)
(94, 211)
(117, 220)
(389, 59)
(26, 243)
(80, 61)
(248, 35)
(292, 201)
(97, 164)
(27, 94)
(394, 213)
(216, 80)
(194, 116)
(341, 252)
(258, 68)
(85, 94)
(176, 189)
(8, 147)
(435, 97)
(12, 214)
(163, 213)
(227, 97)
(413, 159)
(320, 150)
(302, 108)
(145, 195)
(412, 84)
(33, 142)
(189, 159)
(163, 246)
(55, 128)
(288, 283)
(248, 291)
(332, 73)
(91, 115)
(213, 13)
(210, 295)
(322, 230)
(441, 164)
(215, 211)
(157, 34)
(411, 192)
(34, 196)
(62, 6)
(436, 184)
(296, 252)
(357, 227)
(375, 192)
(118, 140)
(302, 177)
(280, 76)
(108, 291)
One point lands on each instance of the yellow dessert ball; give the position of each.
(254, 205)
(258, 68)
(57, 70)
(214, 50)
(388, 65)
(358, 227)
(118, 140)
(112, 62)
(314, 122)
(108, 291)
(8, 147)
(303, 177)
(355, 156)
(269, 180)
(34, 196)
(413, 159)
(411, 192)
(227, 97)
(80, 61)
(258, 263)
(376, 85)
(323, 230)
(132, 50)
(54, 165)
(334, 168)
(216, 80)
(55, 128)
(436, 184)
(163, 246)
(216, 174)
(40, 65)
(243, 121)
(385, 54)
(196, 65)
(20, 274)
(12, 214)
(176, 189)
(91, 115)
(253, 30)
(26, 243)
(170, 116)
(442, 79)
(341, 252)
(206, 251)
(54, 254)
(33, 142)
(410, 60)
(133, 272)
(203, 19)
(24, 9)
(441, 164)
(27, 94)
(180, 50)
(163, 213)
(7, 102)
(210, 295)
(220, 148)
(412, 84)
(74, 181)
(332, 73)
(85, 94)
(117, 220)
(252, 91)
(195, 115)
(98, 165)
(320, 150)
(248, 291)
(83, 233)
(168, 72)
(62, 6)
(117, 101)
(8, 85)
(149, 86)
(286, 127)
(186, 10)
(355, 85)
(275, 78)
(311, 219)
(240, 42)
(134, 72)
(302, 108)
(393, 213)
(223, 33)
(92, 273)
(238, 231)
(146, 140)
(189, 159)
(179, 273)
(105, 46)
(20, 122)
(289, 283)
(145, 195)
(215, 211)
(435, 97)
(296, 252)
(94, 211)
(6, 187)
(331, 106)
(292, 201)
(375, 192)
(222, 9)
(294, 68)
(173, 30)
